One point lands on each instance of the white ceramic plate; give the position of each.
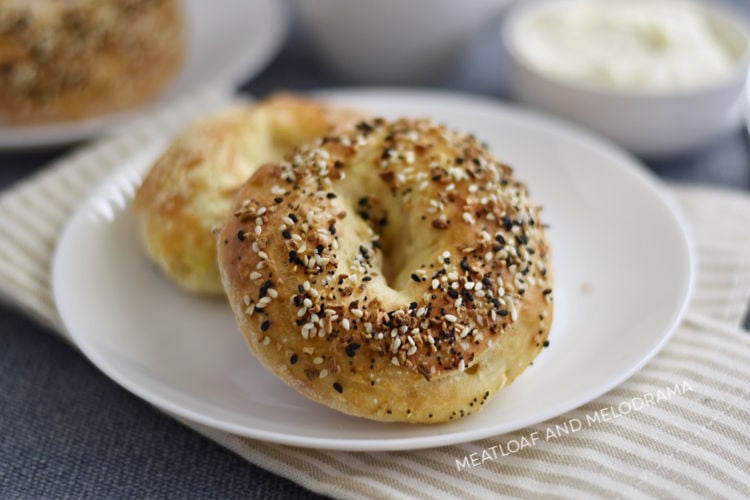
(229, 42)
(623, 270)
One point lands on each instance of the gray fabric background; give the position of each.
(67, 431)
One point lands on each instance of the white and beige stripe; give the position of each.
(694, 443)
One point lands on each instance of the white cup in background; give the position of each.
(395, 41)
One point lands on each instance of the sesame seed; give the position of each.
(412, 350)
(323, 373)
(394, 361)
(357, 312)
(450, 318)
(255, 275)
(513, 312)
(266, 340)
(318, 360)
(395, 344)
(345, 324)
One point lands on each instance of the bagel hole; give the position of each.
(394, 238)
(382, 211)
(396, 248)
(391, 268)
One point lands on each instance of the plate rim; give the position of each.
(244, 68)
(621, 159)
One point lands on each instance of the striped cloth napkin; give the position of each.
(679, 428)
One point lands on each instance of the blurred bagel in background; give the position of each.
(71, 60)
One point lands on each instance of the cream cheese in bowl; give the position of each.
(630, 45)
(660, 77)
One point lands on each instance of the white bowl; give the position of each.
(395, 41)
(649, 124)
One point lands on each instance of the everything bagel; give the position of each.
(396, 271)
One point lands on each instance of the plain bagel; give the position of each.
(188, 192)
(396, 272)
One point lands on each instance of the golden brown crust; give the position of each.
(396, 272)
(188, 192)
(64, 61)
